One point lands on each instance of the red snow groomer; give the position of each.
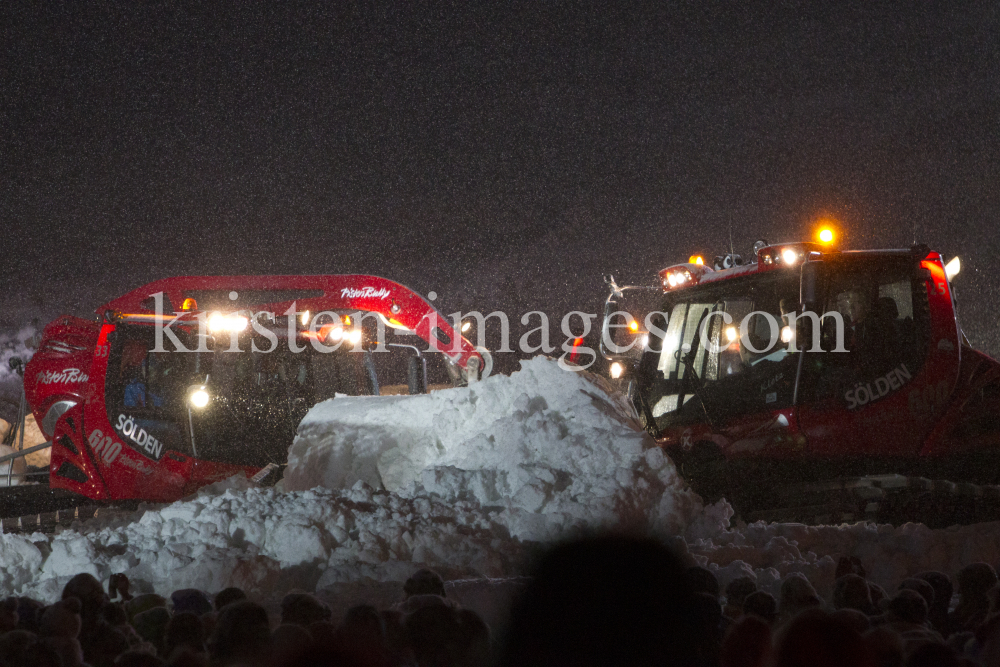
(189, 380)
(813, 384)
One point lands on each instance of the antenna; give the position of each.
(731, 250)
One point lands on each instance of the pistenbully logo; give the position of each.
(67, 375)
(364, 293)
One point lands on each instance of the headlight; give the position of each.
(199, 397)
(952, 268)
(217, 322)
(354, 337)
(616, 370)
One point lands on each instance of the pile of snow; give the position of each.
(263, 540)
(543, 452)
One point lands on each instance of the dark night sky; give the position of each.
(504, 156)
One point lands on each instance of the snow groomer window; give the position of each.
(145, 391)
(726, 352)
(883, 307)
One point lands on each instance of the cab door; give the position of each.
(866, 402)
(137, 433)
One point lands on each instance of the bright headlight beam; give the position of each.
(199, 398)
(952, 268)
(217, 322)
(789, 256)
(616, 370)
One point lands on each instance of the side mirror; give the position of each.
(812, 284)
(631, 304)
(205, 353)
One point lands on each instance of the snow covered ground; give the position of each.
(470, 482)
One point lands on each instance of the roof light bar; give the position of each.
(682, 275)
(787, 255)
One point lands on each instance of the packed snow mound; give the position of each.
(269, 542)
(545, 450)
(264, 541)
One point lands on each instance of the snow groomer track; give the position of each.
(31, 508)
